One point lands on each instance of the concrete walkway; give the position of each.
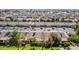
(71, 48)
(74, 48)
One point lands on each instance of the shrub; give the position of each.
(66, 44)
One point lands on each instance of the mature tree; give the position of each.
(43, 39)
(77, 31)
(45, 18)
(49, 43)
(56, 38)
(15, 39)
(30, 25)
(23, 36)
(76, 25)
(33, 40)
(74, 38)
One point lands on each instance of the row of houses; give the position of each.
(38, 24)
(4, 36)
(27, 15)
(47, 19)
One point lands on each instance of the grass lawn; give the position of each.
(28, 47)
(8, 48)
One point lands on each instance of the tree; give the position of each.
(15, 39)
(76, 25)
(33, 42)
(57, 19)
(30, 25)
(56, 38)
(23, 36)
(74, 38)
(43, 39)
(67, 44)
(11, 18)
(49, 43)
(45, 18)
(77, 31)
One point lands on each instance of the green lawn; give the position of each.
(8, 48)
(27, 47)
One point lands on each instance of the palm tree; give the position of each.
(43, 38)
(30, 25)
(43, 33)
(15, 39)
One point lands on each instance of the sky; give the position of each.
(39, 4)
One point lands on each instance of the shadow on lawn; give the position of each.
(2, 44)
